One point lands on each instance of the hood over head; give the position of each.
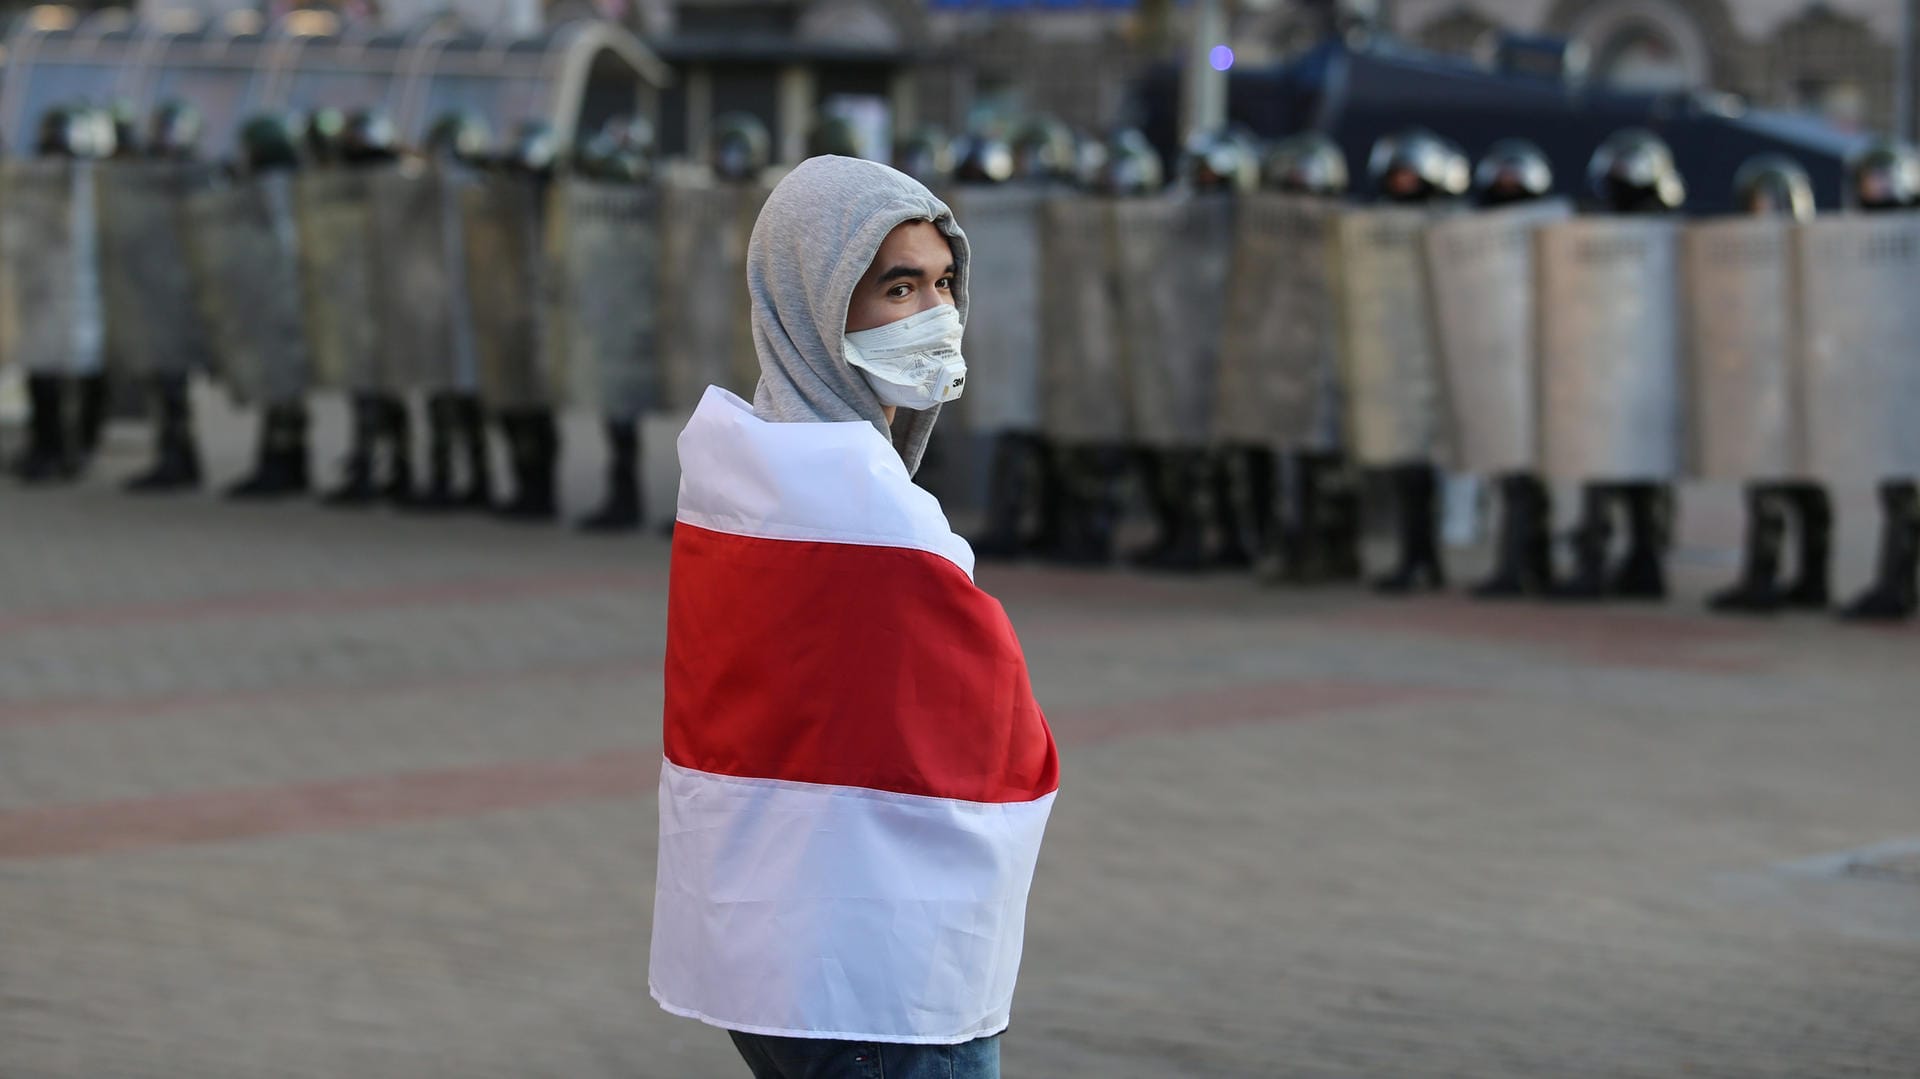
(819, 231)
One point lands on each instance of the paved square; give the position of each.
(286, 792)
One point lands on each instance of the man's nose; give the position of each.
(930, 299)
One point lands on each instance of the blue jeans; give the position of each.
(819, 1058)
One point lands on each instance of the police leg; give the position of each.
(1591, 540)
(280, 465)
(438, 495)
(1162, 497)
(47, 457)
(396, 432)
(1642, 574)
(90, 417)
(1006, 499)
(1043, 458)
(356, 469)
(1508, 578)
(1813, 520)
(1091, 476)
(621, 510)
(1758, 589)
(470, 421)
(176, 459)
(1416, 488)
(1243, 500)
(534, 442)
(1892, 595)
(1179, 487)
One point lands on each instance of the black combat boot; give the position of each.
(47, 457)
(1091, 476)
(621, 510)
(470, 420)
(1007, 495)
(1591, 540)
(1758, 589)
(1179, 491)
(356, 488)
(1416, 489)
(438, 496)
(90, 415)
(1523, 547)
(280, 468)
(1243, 501)
(536, 456)
(1892, 594)
(1642, 574)
(1813, 518)
(396, 434)
(176, 458)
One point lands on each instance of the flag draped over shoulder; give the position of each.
(857, 776)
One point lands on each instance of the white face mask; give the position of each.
(914, 362)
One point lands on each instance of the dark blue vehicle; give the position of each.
(1360, 86)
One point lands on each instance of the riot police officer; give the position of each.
(622, 152)
(456, 420)
(1632, 174)
(1514, 173)
(173, 134)
(380, 429)
(1412, 168)
(1885, 179)
(67, 390)
(1776, 187)
(531, 429)
(1303, 492)
(270, 146)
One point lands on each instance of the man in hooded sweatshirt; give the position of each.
(857, 777)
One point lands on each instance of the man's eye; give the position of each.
(945, 284)
(899, 292)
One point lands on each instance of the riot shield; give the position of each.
(603, 246)
(1858, 324)
(154, 324)
(1083, 390)
(1740, 305)
(1610, 368)
(1002, 345)
(243, 253)
(1389, 360)
(706, 320)
(411, 278)
(1171, 258)
(501, 220)
(1278, 379)
(1479, 270)
(50, 302)
(336, 277)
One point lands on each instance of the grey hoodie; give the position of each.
(817, 234)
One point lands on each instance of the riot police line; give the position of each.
(1247, 344)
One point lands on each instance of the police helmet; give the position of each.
(926, 155)
(1884, 176)
(125, 120)
(1417, 165)
(535, 149)
(1773, 184)
(1307, 163)
(1222, 161)
(1043, 149)
(620, 150)
(1132, 165)
(370, 138)
(985, 159)
(174, 130)
(1512, 170)
(740, 147)
(1633, 173)
(833, 135)
(270, 141)
(326, 134)
(460, 135)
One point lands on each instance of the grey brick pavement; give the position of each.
(286, 792)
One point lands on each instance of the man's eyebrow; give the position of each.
(895, 273)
